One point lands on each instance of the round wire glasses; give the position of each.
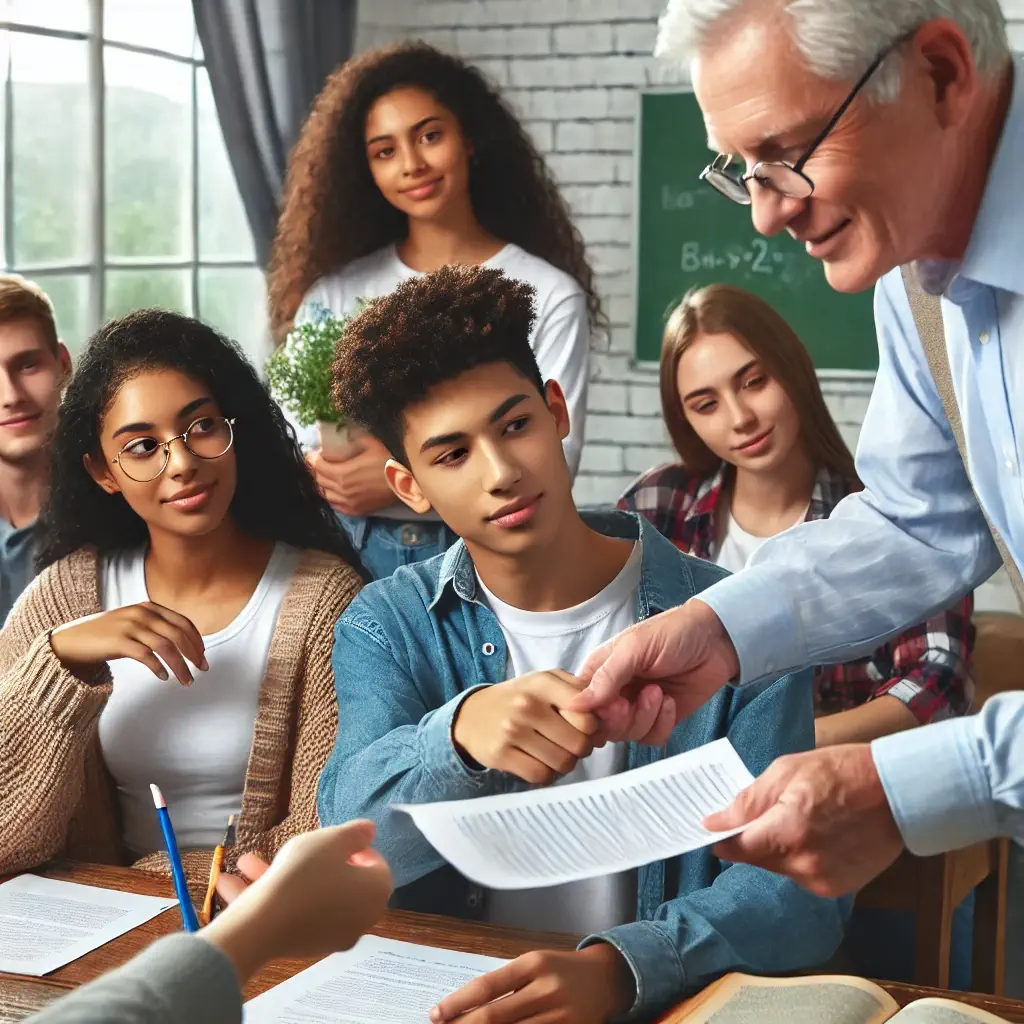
(143, 459)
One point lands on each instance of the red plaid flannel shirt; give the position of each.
(927, 667)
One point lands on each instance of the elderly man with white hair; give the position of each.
(888, 137)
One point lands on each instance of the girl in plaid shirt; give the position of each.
(760, 453)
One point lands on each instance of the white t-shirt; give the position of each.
(538, 641)
(560, 340)
(193, 741)
(737, 547)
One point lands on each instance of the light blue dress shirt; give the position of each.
(915, 540)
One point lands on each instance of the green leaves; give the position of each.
(299, 371)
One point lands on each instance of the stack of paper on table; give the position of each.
(46, 923)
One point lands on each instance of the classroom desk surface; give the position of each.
(21, 996)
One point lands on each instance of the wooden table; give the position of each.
(20, 996)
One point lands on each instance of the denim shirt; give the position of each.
(408, 650)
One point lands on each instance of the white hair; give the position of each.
(839, 38)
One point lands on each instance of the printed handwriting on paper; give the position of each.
(46, 923)
(379, 981)
(567, 833)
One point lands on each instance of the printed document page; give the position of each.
(46, 923)
(567, 833)
(378, 981)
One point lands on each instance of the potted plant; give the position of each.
(299, 376)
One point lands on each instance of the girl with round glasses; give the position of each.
(180, 630)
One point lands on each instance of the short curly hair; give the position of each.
(428, 331)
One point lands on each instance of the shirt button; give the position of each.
(983, 337)
(488, 649)
(1009, 464)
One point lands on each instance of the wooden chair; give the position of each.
(931, 888)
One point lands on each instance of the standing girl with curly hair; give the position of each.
(410, 161)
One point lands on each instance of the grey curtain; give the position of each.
(267, 60)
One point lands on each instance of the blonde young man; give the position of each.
(34, 365)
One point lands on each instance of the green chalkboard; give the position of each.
(688, 236)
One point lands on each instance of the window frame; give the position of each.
(98, 265)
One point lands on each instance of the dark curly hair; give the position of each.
(276, 497)
(428, 331)
(333, 213)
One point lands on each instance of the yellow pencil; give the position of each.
(218, 861)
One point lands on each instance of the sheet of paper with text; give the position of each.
(377, 981)
(566, 833)
(46, 923)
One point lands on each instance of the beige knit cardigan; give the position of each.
(56, 796)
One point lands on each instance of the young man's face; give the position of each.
(32, 374)
(485, 452)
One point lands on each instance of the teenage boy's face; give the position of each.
(32, 373)
(485, 452)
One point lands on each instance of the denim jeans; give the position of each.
(385, 544)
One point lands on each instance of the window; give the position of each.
(117, 190)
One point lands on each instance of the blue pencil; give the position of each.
(188, 912)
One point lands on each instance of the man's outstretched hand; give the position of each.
(682, 656)
(820, 817)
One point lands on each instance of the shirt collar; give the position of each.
(705, 501)
(664, 575)
(995, 253)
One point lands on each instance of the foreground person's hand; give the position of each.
(323, 891)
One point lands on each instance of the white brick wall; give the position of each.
(572, 69)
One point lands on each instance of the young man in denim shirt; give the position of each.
(454, 675)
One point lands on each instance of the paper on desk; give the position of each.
(379, 981)
(46, 923)
(567, 833)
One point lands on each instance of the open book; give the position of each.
(819, 999)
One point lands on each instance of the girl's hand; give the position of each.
(138, 631)
(355, 486)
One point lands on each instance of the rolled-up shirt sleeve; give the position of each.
(957, 782)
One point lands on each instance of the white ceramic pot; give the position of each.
(339, 441)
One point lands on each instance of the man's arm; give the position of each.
(922, 676)
(957, 782)
(910, 544)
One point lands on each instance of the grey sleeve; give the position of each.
(179, 978)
